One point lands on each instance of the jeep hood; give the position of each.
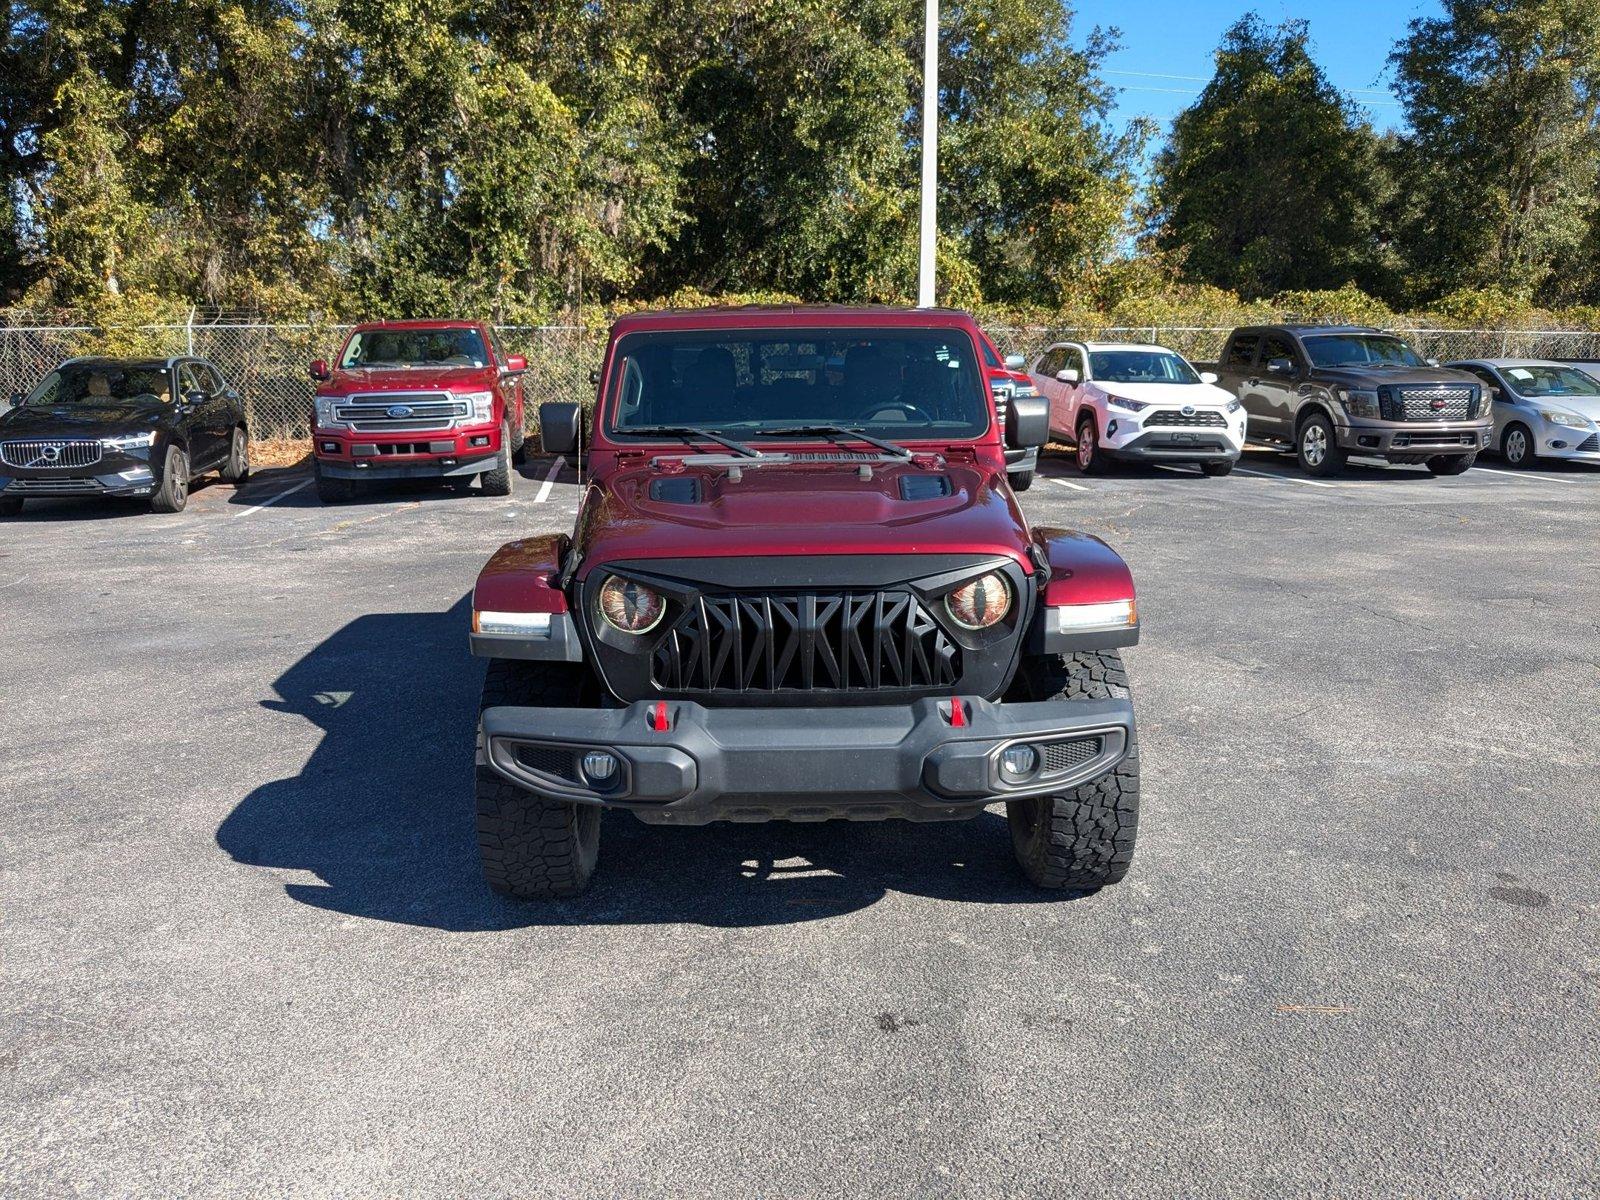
(801, 508)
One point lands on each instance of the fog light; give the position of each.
(599, 767)
(480, 441)
(1111, 429)
(330, 447)
(1018, 762)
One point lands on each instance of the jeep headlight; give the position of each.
(630, 607)
(129, 441)
(1127, 405)
(323, 415)
(1557, 416)
(980, 603)
(1359, 403)
(482, 404)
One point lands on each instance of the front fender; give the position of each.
(519, 609)
(1087, 598)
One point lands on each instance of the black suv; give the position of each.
(1331, 391)
(122, 427)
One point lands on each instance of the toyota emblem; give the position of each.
(1188, 410)
(399, 411)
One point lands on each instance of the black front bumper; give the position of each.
(804, 764)
(133, 481)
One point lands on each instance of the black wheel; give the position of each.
(172, 493)
(1021, 481)
(519, 444)
(1218, 468)
(331, 490)
(1316, 447)
(1516, 446)
(497, 480)
(533, 848)
(1084, 838)
(1091, 459)
(10, 506)
(1451, 464)
(237, 468)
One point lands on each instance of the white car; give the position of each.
(1541, 409)
(1140, 404)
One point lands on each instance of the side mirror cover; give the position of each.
(194, 398)
(1280, 366)
(17, 398)
(1208, 376)
(319, 370)
(1067, 375)
(558, 427)
(1015, 362)
(1027, 422)
(515, 362)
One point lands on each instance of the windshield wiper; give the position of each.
(840, 431)
(688, 432)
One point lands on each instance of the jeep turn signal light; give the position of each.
(1094, 618)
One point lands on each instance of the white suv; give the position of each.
(1138, 403)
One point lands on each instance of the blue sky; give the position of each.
(1351, 39)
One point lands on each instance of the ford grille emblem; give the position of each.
(398, 411)
(1188, 410)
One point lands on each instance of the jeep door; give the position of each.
(1279, 368)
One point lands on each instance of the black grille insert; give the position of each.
(549, 760)
(805, 641)
(1203, 418)
(1068, 756)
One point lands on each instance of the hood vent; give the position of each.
(679, 489)
(925, 487)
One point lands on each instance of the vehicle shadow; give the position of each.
(381, 815)
(265, 483)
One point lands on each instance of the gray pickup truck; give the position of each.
(1331, 391)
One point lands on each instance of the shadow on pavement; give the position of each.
(381, 814)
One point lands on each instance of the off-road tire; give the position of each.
(1316, 446)
(519, 445)
(1082, 839)
(1021, 481)
(1451, 464)
(331, 490)
(533, 848)
(10, 506)
(172, 493)
(1509, 445)
(1090, 458)
(1217, 469)
(497, 481)
(237, 468)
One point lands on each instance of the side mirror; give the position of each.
(1208, 376)
(1027, 422)
(1015, 362)
(558, 427)
(194, 399)
(515, 363)
(17, 398)
(319, 370)
(594, 376)
(1280, 366)
(1067, 375)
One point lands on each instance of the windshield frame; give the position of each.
(982, 424)
(1094, 375)
(357, 340)
(1310, 340)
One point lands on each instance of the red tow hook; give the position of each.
(658, 719)
(958, 713)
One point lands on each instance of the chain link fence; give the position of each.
(267, 363)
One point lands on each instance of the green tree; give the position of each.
(1271, 179)
(1503, 152)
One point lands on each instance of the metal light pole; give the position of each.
(930, 154)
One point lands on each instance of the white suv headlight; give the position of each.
(482, 405)
(129, 441)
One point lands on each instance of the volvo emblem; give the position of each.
(1188, 410)
(399, 411)
(50, 453)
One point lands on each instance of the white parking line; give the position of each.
(1067, 483)
(1520, 474)
(271, 500)
(1284, 478)
(549, 482)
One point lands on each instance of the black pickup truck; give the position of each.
(1331, 391)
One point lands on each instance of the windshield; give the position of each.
(1361, 350)
(1139, 366)
(1543, 381)
(101, 383)
(901, 383)
(414, 348)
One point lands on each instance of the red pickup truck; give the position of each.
(418, 400)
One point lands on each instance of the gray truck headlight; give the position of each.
(1359, 403)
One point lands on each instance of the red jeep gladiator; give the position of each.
(801, 588)
(417, 400)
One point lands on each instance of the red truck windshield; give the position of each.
(414, 348)
(900, 383)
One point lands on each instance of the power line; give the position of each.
(1207, 79)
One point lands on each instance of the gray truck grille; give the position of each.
(1452, 402)
(50, 454)
(830, 641)
(401, 412)
(1202, 418)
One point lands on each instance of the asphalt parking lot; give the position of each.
(246, 950)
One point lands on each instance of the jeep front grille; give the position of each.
(401, 412)
(50, 454)
(1205, 418)
(806, 641)
(1448, 402)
